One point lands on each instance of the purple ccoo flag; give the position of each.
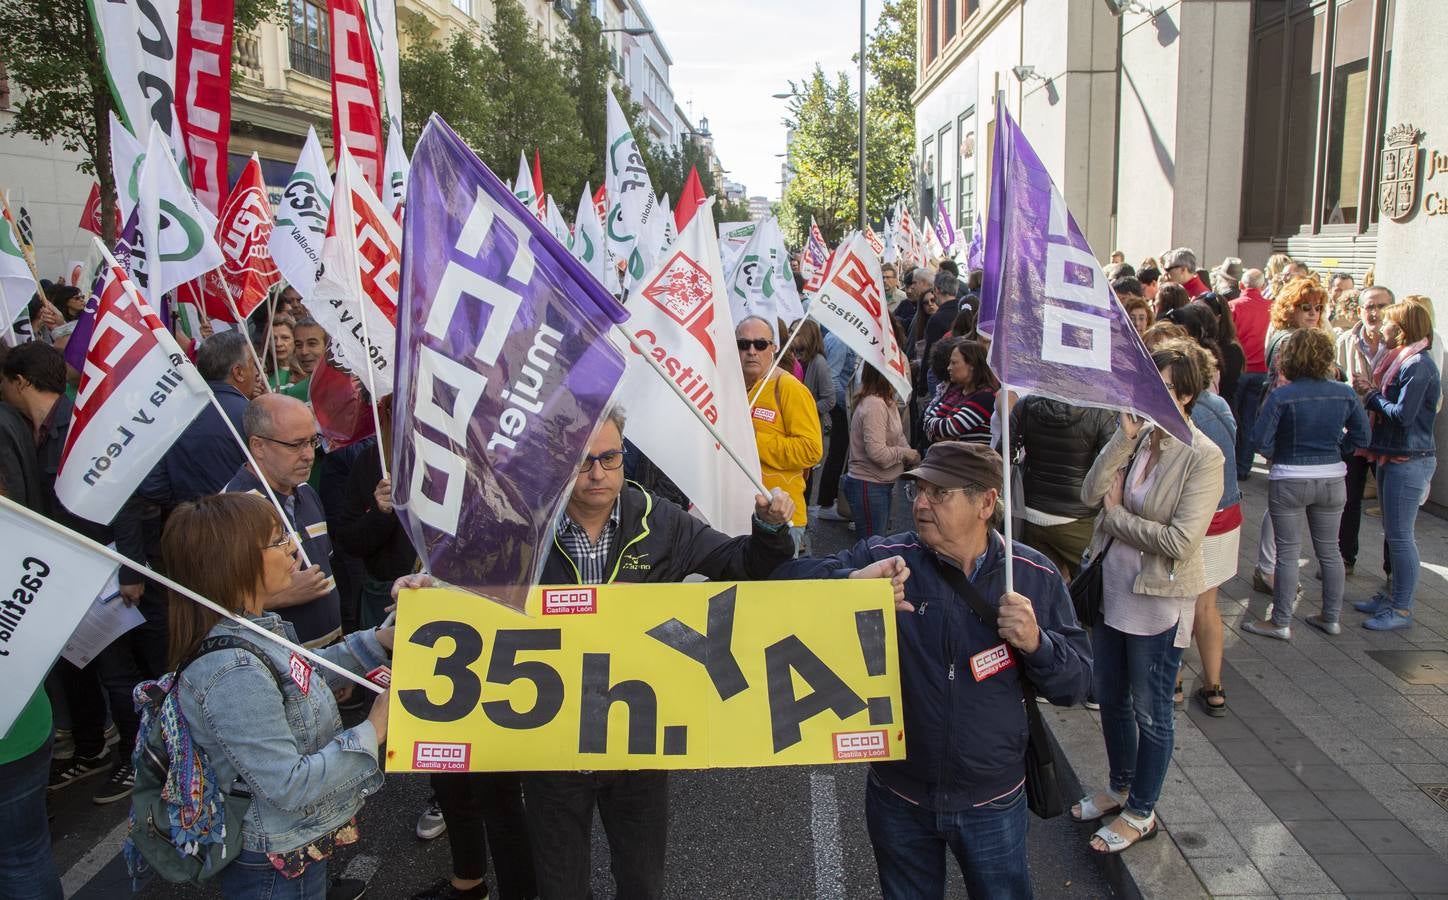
(975, 253)
(503, 371)
(944, 228)
(1058, 328)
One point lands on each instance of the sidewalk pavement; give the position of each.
(1320, 780)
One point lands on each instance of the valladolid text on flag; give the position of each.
(50, 582)
(649, 676)
(1059, 329)
(301, 228)
(504, 370)
(851, 305)
(137, 392)
(632, 208)
(359, 278)
(680, 318)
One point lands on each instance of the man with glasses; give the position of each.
(612, 532)
(1179, 266)
(786, 421)
(1358, 351)
(962, 787)
(282, 437)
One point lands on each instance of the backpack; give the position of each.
(161, 839)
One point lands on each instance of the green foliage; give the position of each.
(825, 148)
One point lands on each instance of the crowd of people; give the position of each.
(1328, 384)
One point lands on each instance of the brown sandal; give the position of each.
(1208, 693)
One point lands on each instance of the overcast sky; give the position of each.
(730, 57)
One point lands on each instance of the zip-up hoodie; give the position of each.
(966, 736)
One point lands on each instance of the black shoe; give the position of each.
(346, 889)
(117, 787)
(79, 768)
(444, 890)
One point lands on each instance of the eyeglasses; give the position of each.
(759, 344)
(1375, 307)
(298, 445)
(610, 460)
(284, 541)
(933, 493)
(1310, 307)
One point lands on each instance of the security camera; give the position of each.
(1117, 7)
(1023, 73)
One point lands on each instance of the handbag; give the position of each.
(1043, 785)
(1086, 587)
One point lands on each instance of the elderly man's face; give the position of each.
(892, 280)
(1371, 304)
(310, 347)
(943, 515)
(757, 355)
(286, 451)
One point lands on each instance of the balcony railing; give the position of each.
(246, 52)
(310, 60)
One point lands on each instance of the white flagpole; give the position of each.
(119, 559)
(362, 303)
(718, 438)
(790, 340)
(271, 344)
(1005, 394)
(241, 325)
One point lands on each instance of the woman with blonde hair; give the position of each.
(1277, 264)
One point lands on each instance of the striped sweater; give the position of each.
(953, 415)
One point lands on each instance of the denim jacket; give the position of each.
(1406, 409)
(1213, 416)
(306, 775)
(1310, 422)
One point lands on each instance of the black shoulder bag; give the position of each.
(1086, 587)
(1043, 789)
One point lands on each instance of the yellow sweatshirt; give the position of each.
(787, 432)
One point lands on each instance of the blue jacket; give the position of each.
(843, 362)
(1311, 422)
(966, 738)
(1406, 409)
(204, 457)
(306, 773)
(1213, 417)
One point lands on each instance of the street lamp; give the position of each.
(631, 31)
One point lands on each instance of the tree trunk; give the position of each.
(100, 142)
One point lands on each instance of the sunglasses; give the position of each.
(758, 344)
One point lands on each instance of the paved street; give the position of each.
(755, 833)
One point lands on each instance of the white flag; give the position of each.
(138, 391)
(587, 243)
(128, 155)
(179, 231)
(789, 303)
(666, 218)
(680, 316)
(523, 186)
(360, 275)
(632, 209)
(138, 42)
(851, 306)
(16, 282)
(762, 283)
(296, 242)
(394, 175)
(733, 238)
(51, 580)
(555, 221)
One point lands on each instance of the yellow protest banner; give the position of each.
(648, 676)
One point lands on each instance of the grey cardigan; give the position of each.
(1175, 513)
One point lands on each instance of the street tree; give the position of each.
(824, 154)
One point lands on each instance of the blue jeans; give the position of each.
(1251, 386)
(989, 844)
(251, 876)
(1401, 487)
(870, 503)
(1135, 677)
(27, 870)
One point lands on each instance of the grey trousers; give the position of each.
(1318, 502)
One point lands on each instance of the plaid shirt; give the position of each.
(589, 557)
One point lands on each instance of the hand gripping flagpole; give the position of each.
(775, 365)
(240, 442)
(119, 559)
(698, 414)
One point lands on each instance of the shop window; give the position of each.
(945, 153)
(950, 21)
(310, 50)
(932, 33)
(965, 173)
(1264, 133)
(1304, 85)
(1347, 113)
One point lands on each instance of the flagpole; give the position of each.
(271, 344)
(718, 438)
(25, 251)
(362, 304)
(1005, 394)
(119, 559)
(790, 340)
(241, 326)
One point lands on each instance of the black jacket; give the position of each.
(659, 542)
(366, 532)
(1060, 442)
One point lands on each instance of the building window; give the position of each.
(950, 20)
(965, 173)
(4, 86)
(945, 153)
(1309, 155)
(932, 32)
(927, 177)
(1382, 111)
(465, 5)
(311, 51)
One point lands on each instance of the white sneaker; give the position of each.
(829, 514)
(431, 824)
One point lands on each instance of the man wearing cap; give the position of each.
(1226, 278)
(962, 786)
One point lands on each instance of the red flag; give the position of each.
(600, 202)
(538, 194)
(690, 199)
(203, 93)
(356, 109)
(817, 279)
(90, 217)
(244, 233)
(343, 416)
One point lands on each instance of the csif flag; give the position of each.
(632, 210)
(360, 277)
(523, 187)
(680, 316)
(733, 238)
(1059, 330)
(851, 306)
(762, 284)
(296, 241)
(17, 283)
(504, 370)
(557, 225)
(137, 393)
(394, 184)
(244, 234)
(176, 228)
(586, 243)
(138, 42)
